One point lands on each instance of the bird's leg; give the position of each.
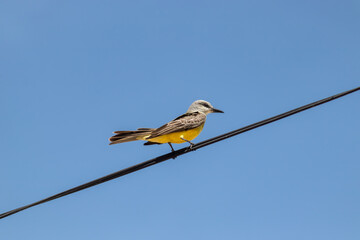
(191, 144)
(172, 149)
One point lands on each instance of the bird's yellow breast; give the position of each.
(175, 137)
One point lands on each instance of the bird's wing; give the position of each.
(184, 122)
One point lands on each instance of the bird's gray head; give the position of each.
(203, 107)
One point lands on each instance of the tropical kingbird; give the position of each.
(182, 129)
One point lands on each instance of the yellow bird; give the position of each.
(182, 129)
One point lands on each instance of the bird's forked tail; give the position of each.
(128, 136)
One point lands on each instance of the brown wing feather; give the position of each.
(182, 123)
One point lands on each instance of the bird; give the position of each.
(182, 129)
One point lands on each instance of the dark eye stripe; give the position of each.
(205, 105)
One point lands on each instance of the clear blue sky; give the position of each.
(71, 72)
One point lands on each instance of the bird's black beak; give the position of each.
(214, 110)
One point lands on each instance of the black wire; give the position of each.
(179, 152)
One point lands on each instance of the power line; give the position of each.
(179, 152)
